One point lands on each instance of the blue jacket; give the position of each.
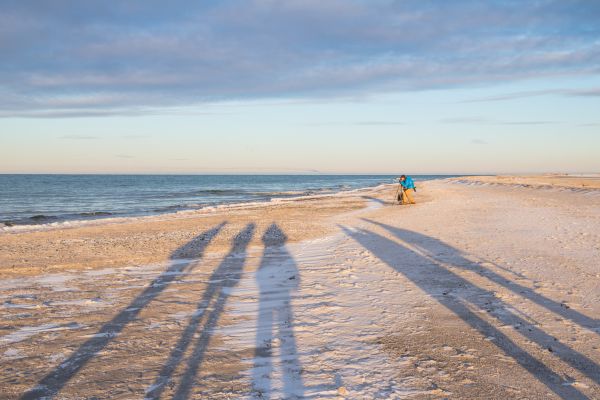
(408, 183)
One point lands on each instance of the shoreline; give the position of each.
(574, 182)
(108, 218)
(110, 242)
(50, 199)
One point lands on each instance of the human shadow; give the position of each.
(51, 384)
(442, 252)
(277, 276)
(375, 199)
(434, 278)
(205, 318)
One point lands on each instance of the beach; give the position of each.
(487, 288)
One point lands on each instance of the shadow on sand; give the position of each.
(53, 382)
(277, 276)
(433, 259)
(204, 320)
(442, 252)
(380, 201)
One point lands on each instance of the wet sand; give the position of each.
(485, 289)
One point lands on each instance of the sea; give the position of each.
(44, 199)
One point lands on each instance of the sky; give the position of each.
(300, 86)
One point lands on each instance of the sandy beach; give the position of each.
(487, 288)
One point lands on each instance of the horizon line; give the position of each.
(275, 173)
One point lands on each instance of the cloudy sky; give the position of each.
(300, 86)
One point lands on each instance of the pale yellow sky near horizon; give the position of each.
(419, 132)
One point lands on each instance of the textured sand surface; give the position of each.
(480, 291)
(575, 182)
(131, 241)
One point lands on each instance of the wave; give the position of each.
(40, 219)
(35, 219)
(96, 214)
(202, 192)
(178, 207)
(243, 193)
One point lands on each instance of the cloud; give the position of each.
(519, 95)
(513, 96)
(79, 137)
(487, 121)
(464, 120)
(527, 123)
(478, 141)
(379, 123)
(103, 58)
(357, 123)
(123, 156)
(586, 92)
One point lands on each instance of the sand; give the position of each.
(548, 181)
(488, 288)
(130, 241)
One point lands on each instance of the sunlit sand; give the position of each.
(486, 288)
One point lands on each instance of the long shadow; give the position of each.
(53, 382)
(442, 252)
(277, 276)
(224, 277)
(375, 199)
(433, 278)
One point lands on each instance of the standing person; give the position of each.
(408, 188)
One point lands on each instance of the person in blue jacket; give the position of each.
(408, 189)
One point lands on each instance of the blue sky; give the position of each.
(300, 86)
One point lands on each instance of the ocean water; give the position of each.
(41, 199)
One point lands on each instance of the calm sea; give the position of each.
(40, 199)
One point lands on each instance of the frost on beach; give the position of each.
(478, 291)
